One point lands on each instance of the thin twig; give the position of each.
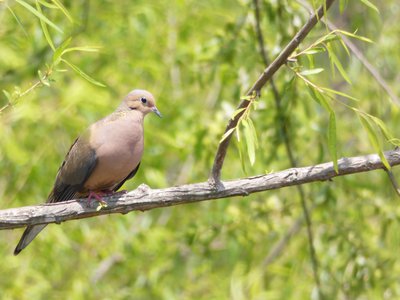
(105, 266)
(144, 198)
(277, 248)
(37, 84)
(215, 178)
(360, 56)
(313, 255)
(289, 150)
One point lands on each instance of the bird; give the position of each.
(102, 158)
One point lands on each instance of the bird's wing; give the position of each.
(74, 171)
(76, 168)
(131, 174)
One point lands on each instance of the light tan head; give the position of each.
(140, 100)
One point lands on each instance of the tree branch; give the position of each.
(214, 180)
(144, 198)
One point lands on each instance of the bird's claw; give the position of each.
(98, 198)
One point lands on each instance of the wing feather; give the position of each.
(76, 168)
(131, 174)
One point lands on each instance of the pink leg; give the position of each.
(97, 196)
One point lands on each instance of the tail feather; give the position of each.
(29, 234)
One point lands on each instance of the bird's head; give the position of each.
(142, 101)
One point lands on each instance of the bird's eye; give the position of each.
(144, 100)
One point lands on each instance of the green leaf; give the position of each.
(248, 98)
(332, 142)
(82, 74)
(39, 15)
(226, 134)
(370, 131)
(81, 48)
(338, 65)
(314, 50)
(320, 99)
(253, 130)
(330, 37)
(345, 47)
(43, 80)
(311, 61)
(63, 9)
(47, 4)
(238, 132)
(18, 21)
(370, 5)
(358, 37)
(340, 94)
(313, 94)
(311, 72)
(395, 142)
(331, 63)
(342, 5)
(241, 156)
(8, 96)
(373, 138)
(44, 29)
(385, 131)
(250, 142)
(58, 53)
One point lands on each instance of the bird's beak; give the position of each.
(156, 111)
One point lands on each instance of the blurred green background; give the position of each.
(198, 58)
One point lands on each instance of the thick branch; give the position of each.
(144, 198)
(258, 85)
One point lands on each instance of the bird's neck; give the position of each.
(123, 110)
(122, 107)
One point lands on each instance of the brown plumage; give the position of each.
(106, 155)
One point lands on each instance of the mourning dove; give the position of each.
(106, 155)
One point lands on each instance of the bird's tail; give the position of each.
(29, 234)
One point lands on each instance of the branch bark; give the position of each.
(215, 179)
(144, 198)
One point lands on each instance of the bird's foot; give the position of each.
(98, 197)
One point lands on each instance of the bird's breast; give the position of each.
(119, 148)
